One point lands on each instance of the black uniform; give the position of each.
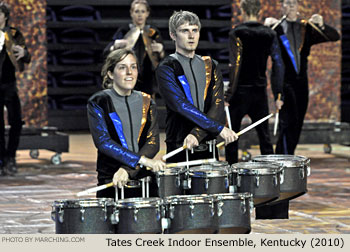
(9, 96)
(251, 43)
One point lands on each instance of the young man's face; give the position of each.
(186, 38)
(290, 9)
(2, 19)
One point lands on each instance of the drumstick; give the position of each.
(174, 152)
(248, 128)
(193, 162)
(228, 117)
(94, 189)
(276, 117)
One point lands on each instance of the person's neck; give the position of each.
(141, 26)
(188, 54)
(247, 18)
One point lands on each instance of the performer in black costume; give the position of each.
(145, 40)
(251, 43)
(192, 88)
(123, 123)
(13, 55)
(296, 38)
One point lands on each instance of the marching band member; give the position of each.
(145, 40)
(124, 127)
(13, 55)
(192, 89)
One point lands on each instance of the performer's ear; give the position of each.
(110, 75)
(172, 36)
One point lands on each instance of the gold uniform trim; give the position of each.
(208, 72)
(145, 107)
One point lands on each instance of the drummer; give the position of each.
(192, 89)
(124, 127)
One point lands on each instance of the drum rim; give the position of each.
(275, 169)
(130, 203)
(297, 160)
(242, 196)
(78, 203)
(171, 171)
(188, 199)
(207, 173)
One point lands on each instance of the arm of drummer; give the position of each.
(151, 145)
(20, 49)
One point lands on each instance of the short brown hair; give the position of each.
(111, 61)
(251, 7)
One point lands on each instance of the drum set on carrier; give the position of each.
(212, 197)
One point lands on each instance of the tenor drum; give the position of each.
(294, 175)
(86, 216)
(139, 216)
(190, 214)
(234, 211)
(260, 179)
(170, 182)
(209, 179)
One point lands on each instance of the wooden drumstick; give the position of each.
(276, 116)
(94, 189)
(248, 128)
(193, 162)
(174, 152)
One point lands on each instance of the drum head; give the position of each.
(284, 160)
(188, 199)
(171, 171)
(100, 202)
(139, 202)
(206, 171)
(256, 168)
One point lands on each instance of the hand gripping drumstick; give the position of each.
(276, 117)
(94, 189)
(248, 128)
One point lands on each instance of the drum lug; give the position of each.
(212, 209)
(206, 184)
(105, 218)
(178, 181)
(165, 223)
(243, 206)
(158, 181)
(53, 214)
(257, 181)
(82, 215)
(191, 209)
(135, 214)
(158, 213)
(171, 212)
(238, 180)
(302, 173)
(220, 204)
(275, 180)
(115, 217)
(308, 171)
(188, 183)
(61, 216)
(251, 205)
(282, 177)
(226, 183)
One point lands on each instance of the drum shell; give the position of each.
(267, 191)
(204, 220)
(234, 213)
(170, 184)
(96, 219)
(215, 185)
(148, 219)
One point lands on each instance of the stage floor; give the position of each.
(26, 199)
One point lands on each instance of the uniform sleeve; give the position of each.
(320, 35)
(102, 139)
(277, 73)
(175, 99)
(151, 146)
